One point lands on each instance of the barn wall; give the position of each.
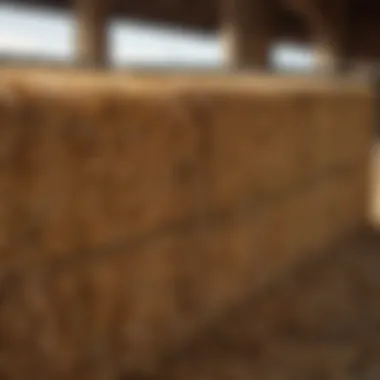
(135, 211)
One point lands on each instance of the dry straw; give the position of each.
(135, 213)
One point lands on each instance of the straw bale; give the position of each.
(167, 207)
(273, 246)
(155, 178)
(228, 262)
(252, 145)
(325, 127)
(52, 196)
(22, 145)
(7, 110)
(348, 201)
(360, 191)
(87, 168)
(354, 131)
(339, 218)
(320, 231)
(301, 222)
(280, 144)
(342, 132)
(302, 139)
(349, 134)
(343, 128)
(152, 322)
(292, 229)
(362, 114)
(144, 183)
(231, 141)
(359, 186)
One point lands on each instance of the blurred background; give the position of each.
(42, 34)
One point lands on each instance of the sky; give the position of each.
(47, 34)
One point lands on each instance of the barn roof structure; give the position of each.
(344, 28)
(202, 15)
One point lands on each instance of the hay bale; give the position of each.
(273, 240)
(147, 211)
(363, 116)
(266, 126)
(146, 188)
(228, 261)
(320, 230)
(302, 139)
(52, 197)
(360, 186)
(301, 222)
(339, 216)
(325, 122)
(354, 130)
(92, 166)
(7, 109)
(42, 338)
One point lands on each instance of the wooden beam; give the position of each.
(328, 25)
(92, 33)
(330, 35)
(247, 32)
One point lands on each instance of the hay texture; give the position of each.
(133, 214)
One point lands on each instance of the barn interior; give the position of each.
(188, 224)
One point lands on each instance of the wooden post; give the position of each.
(330, 47)
(247, 30)
(329, 28)
(92, 33)
(328, 25)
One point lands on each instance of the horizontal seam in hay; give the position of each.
(199, 223)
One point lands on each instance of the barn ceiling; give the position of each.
(204, 15)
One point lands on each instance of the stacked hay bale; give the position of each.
(135, 213)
